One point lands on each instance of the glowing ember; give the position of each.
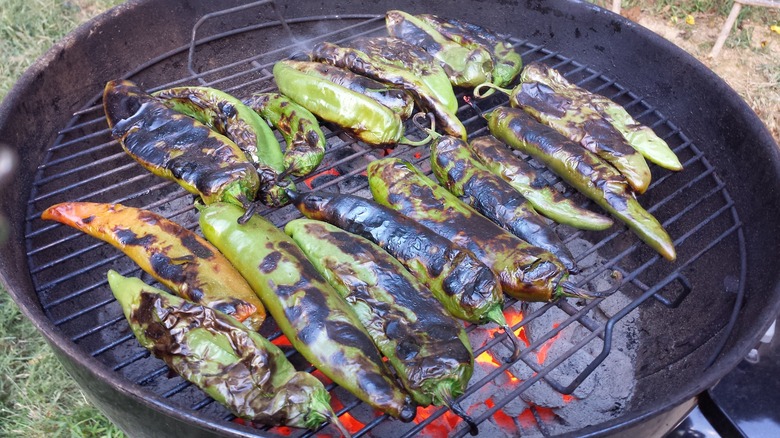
(351, 423)
(513, 317)
(487, 359)
(541, 355)
(311, 180)
(417, 155)
(282, 341)
(567, 398)
(440, 427)
(527, 419)
(500, 418)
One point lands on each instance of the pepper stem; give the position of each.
(497, 315)
(430, 131)
(334, 420)
(493, 87)
(572, 291)
(443, 392)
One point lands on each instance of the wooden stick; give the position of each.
(724, 33)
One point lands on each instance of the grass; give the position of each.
(37, 396)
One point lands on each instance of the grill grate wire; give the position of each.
(105, 179)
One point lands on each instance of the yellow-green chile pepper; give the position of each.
(428, 349)
(300, 129)
(175, 256)
(369, 120)
(565, 111)
(179, 148)
(526, 272)
(582, 170)
(314, 317)
(500, 160)
(466, 67)
(236, 367)
(465, 177)
(394, 61)
(639, 136)
(230, 117)
(507, 63)
(465, 286)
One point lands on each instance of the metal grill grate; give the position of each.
(85, 164)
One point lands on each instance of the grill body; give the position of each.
(727, 295)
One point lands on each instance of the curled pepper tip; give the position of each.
(458, 410)
(515, 344)
(334, 420)
(492, 88)
(570, 290)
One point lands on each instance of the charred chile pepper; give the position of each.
(566, 113)
(175, 256)
(526, 272)
(466, 287)
(497, 158)
(236, 367)
(369, 120)
(231, 118)
(299, 127)
(640, 137)
(394, 61)
(177, 147)
(314, 317)
(582, 170)
(466, 178)
(429, 350)
(506, 62)
(465, 67)
(398, 100)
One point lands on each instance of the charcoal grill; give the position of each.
(699, 316)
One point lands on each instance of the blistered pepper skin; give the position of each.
(314, 317)
(582, 170)
(230, 117)
(526, 272)
(466, 287)
(498, 158)
(567, 111)
(235, 366)
(179, 148)
(429, 350)
(300, 129)
(397, 99)
(369, 120)
(507, 63)
(393, 61)
(175, 256)
(465, 67)
(456, 169)
(640, 137)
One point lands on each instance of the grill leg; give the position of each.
(724, 33)
(616, 4)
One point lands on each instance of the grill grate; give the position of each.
(85, 164)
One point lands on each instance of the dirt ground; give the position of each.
(749, 61)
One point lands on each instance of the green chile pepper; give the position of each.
(497, 158)
(640, 137)
(428, 349)
(582, 170)
(456, 169)
(300, 129)
(566, 113)
(175, 256)
(394, 61)
(230, 117)
(465, 286)
(526, 272)
(236, 367)
(465, 67)
(178, 148)
(506, 62)
(398, 100)
(314, 317)
(369, 120)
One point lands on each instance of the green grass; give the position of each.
(37, 396)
